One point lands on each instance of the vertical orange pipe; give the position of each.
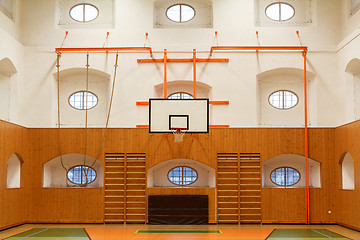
(165, 73)
(307, 192)
(194, 69)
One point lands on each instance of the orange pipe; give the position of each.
(146, 103)
(101, 49)
(180, 60)
(258, 48)
(194, 71)
(165, 73)
(307, 191)
(211, 126)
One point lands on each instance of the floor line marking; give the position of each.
(322, 234)
(34, 234)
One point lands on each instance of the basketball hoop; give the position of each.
(178, 134)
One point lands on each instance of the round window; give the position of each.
(180, 95)
(285, 176)
(83, 100)
(283, 99)
(279, 11)
(81, 175)
(84, 12)
(180, 13)
(182, 175)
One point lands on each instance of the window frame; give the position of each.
(180, 95)
(98, 12)
(184, 4)
(273, 3)
(182, 178)
(283, 90)
(285, 176)
(84, 91)
(81, 184)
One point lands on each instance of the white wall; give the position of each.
(13, 172)
(36, 26)
(347, 170)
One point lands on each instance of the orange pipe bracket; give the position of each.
(105, 49)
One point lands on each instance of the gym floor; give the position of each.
(179, 232)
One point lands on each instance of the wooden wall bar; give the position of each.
(87, 205)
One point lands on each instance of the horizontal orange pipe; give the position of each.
(211, 126)
(183, 60)
(145, 103)
(259, 48)
(105, 49)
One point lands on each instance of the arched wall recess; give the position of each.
(55, 175)
(157, 176)
(13, 176)
(347, 171)
(282, 79)
(296, 162)
(202, 89)
(7, 88)
(353, 68)
(74, 80)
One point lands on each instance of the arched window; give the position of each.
(283, 99)
(84, 12)
(83, 100)
(280, 11)
(285, 176)
(180, 13)
(81, 175)
(180, 95)
(182, 175)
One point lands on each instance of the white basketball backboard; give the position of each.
(189, 114)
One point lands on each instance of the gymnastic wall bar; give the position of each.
(258, 48)
(104, 49)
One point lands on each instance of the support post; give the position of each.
(165, 73)
(307, 191)
(194, 71)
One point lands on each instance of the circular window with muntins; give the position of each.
(180, 95)
(81, 175)
(83, 100)
(285, 176)
(182, 175)
(84, 12)
(280, 11)
(283, 99)
(180, 13)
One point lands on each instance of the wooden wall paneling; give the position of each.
(14, 206)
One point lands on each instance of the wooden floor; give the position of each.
(128, 232)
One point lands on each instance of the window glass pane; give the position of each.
(91, 13)
(273, 11)
(180, 96)
(173, 13)
(78, 100)
(276, 99)
(290, 99)
(81, 175)
(182, 175)
(175, 96)
(187, 13)
(292, 176)
(278, 176)
(84, 12)
(77, 13)
(286, 12)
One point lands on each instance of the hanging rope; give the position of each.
(85, 106)
(59, 131)
(108, 115)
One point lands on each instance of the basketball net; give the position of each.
(178, 134)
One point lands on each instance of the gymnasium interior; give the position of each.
(190, 119)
